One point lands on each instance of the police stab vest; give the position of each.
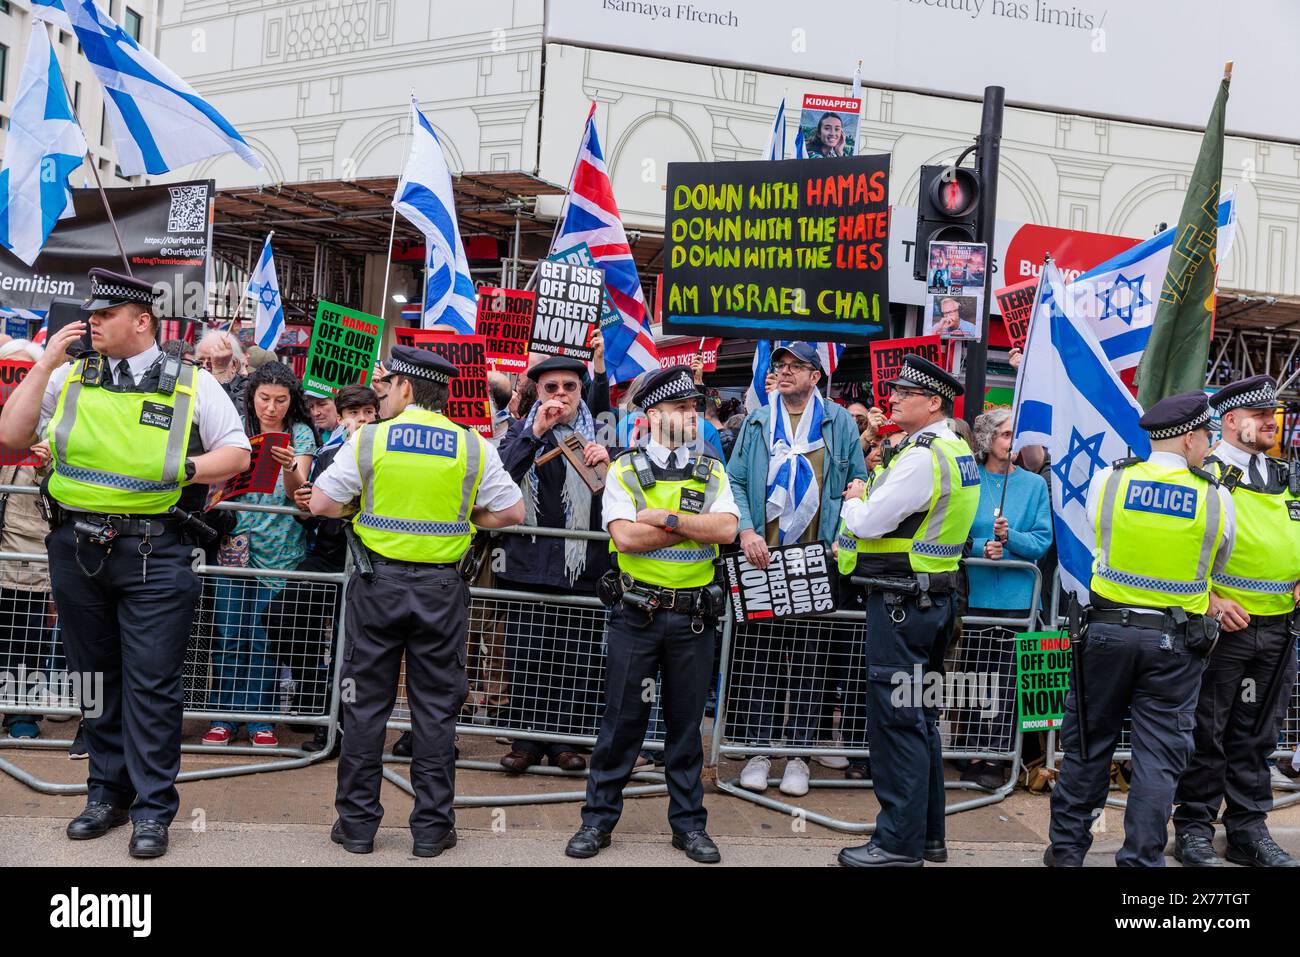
(1264, 565)
(1158, 531)
(122, 451)
(691, 490)
(925, 541)
(420, 474)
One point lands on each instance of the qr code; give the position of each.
(189, 210)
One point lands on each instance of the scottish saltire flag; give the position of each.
(1071, 401)
(43, 149)
(1118, 298)
(264, 289)
(591, 216)
(159, 123)
(424, 196)
(775, 149)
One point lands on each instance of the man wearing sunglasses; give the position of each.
(552, 651)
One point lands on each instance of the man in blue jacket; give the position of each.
(790, 466)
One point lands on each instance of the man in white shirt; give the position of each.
(134, 435)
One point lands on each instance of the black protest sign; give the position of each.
(778, 250)
(568, 308)
(795, 584)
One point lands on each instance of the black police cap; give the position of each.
(919, 373)
(420, 364)
(1257, 392)
(667, 385)
(109, 289)
(1175, 415)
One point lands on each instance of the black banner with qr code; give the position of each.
(166, 232)
(795, 584)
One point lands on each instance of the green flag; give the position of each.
(1179, 348)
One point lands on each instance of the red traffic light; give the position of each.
(955, 192)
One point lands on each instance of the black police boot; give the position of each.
(402, 746)
(873, 855)
(1192, 850)
(434, 848)
(587, 842)
(96, 820)
(349, 845)
(318, 741)
(936, 852)
(1262, 853)
(698, 846)
(149, 839)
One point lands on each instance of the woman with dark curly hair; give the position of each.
(244, 671)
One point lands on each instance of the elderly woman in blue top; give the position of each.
(1021, 532)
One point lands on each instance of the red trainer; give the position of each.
(264, 739)
(217, 735)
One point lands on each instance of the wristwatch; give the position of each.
(190, 469)
(670, 521)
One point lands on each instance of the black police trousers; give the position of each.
(424, 613)
(634, 656)
(1230, 760)
(131, 628)
(1126, 667)
(902, 721)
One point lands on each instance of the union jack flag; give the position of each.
(591, 217)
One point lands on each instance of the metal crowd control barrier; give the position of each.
(1288, 731)
(780, 684)
(261, 649)
(537, 673)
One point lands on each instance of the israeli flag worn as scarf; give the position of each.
(793, 495)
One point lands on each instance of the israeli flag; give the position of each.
(424, 196)
(1070, 400)
(159, 123)
(756, 394)
(264, 289)
(44, 148)
(775, 149)
(800, 147)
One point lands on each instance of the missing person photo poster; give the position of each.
(829, 125)
(956, 275)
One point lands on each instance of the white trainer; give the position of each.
(836, 762)
(795, 780)
(754, 777)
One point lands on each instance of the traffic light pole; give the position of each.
(986, 160)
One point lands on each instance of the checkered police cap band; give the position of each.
(926, 381)
(1253, 398)
(1173, 431)
(683, 387)
(112, 290)
(402, 367)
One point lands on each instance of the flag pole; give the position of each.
(94, 169)
(1024, 365)
(564, 207)
(392, 226)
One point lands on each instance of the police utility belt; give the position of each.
(919, 586)
(1200, 633)
(644, 599)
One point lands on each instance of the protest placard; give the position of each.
(887, 358)
(569, 300)
(778, 250)
(684, 353)
(829, 125)
(1017, 305)
(343, 346)
(12, 372)
(795, 584)
(505, 320)
(954, 291)
(1042, 678)
(467, 402)
(262, 471)
(580, 255)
